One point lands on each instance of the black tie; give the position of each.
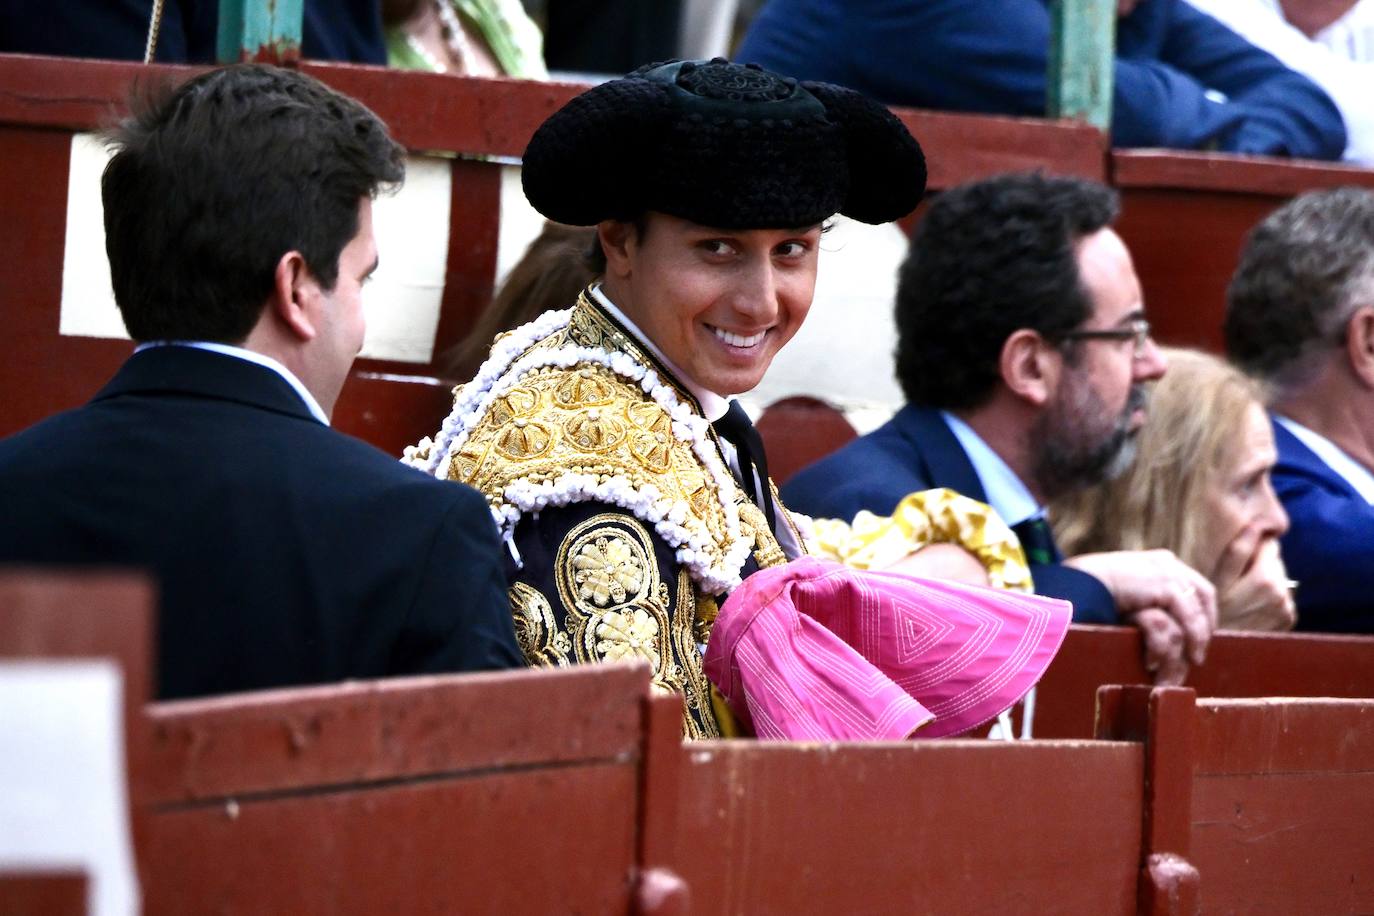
(1037, 541)
(736, 429)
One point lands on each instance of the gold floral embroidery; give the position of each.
(541, 641)
(463, 466)
(628, 635)
(594, 431)
(618, 608)
(525, 439)
(582, 388)
(607, 569)
(518, 402)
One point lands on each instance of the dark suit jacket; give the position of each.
(345, 30)
(286, 553)
(913, 451)
(1329, 547)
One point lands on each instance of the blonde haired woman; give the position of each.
(1199, 487)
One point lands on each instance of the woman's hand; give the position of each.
(1252, 585)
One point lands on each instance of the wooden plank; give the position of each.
(43, 893)
(1283, 803)
(41, 372)
(962, 147)
(659, 889)
(550, 839)
(478, 116)
(1287, 844)
(1238, 665)
(475, 226)
(1162, 717)
(1270, 176)
(403, 728)
(951, 826)
(391, 411)
(1185, 216)
(1186, 245)
(66, 615)
(1285, 736)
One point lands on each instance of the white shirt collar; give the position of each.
(1334, 457)
(251, 356)
(1008, 496)
(713, 406)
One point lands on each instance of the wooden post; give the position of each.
(266, 31)
(1162, 718)
(1082, 55)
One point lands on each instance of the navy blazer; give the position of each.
(286, 553)
(344, 30)
(916, 450)
(1181, 79)
(1329, 547)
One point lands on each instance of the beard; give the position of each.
(1077, 444)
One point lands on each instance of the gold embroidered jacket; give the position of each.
(610, 484)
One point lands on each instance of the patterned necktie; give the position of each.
(736, 429)
(1037, 540)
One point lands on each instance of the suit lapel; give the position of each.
(940, 453)
(1294, 454)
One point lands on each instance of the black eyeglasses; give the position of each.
(1136, 331)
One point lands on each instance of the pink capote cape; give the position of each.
(816, 651)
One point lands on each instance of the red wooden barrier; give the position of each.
(1185, 217)
(1271, 799)
(799, 430)
(501, 793)
(943, 827)
(1283, 805)
(44, 614)
(49, 893)
(1238, 665)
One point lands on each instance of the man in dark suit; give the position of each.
(238, 217)
(1022, 350)
(1300, 316)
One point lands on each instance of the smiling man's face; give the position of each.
(718, 303)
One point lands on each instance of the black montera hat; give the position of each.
(722, 144)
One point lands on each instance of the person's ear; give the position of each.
(619, 240)
(1030, 366)
(296, 295)
(1359, 344)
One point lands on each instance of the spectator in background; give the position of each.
(238, 221)
(1182, 80)
(470, 37)
(1262, 23)
(1199, 487)
(345, 30)
(555, 268)
(1300, 316)
(1022, 348)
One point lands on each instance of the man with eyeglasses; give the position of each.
(1023, 351)
(1300, 316)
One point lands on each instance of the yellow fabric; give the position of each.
(928, 517)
